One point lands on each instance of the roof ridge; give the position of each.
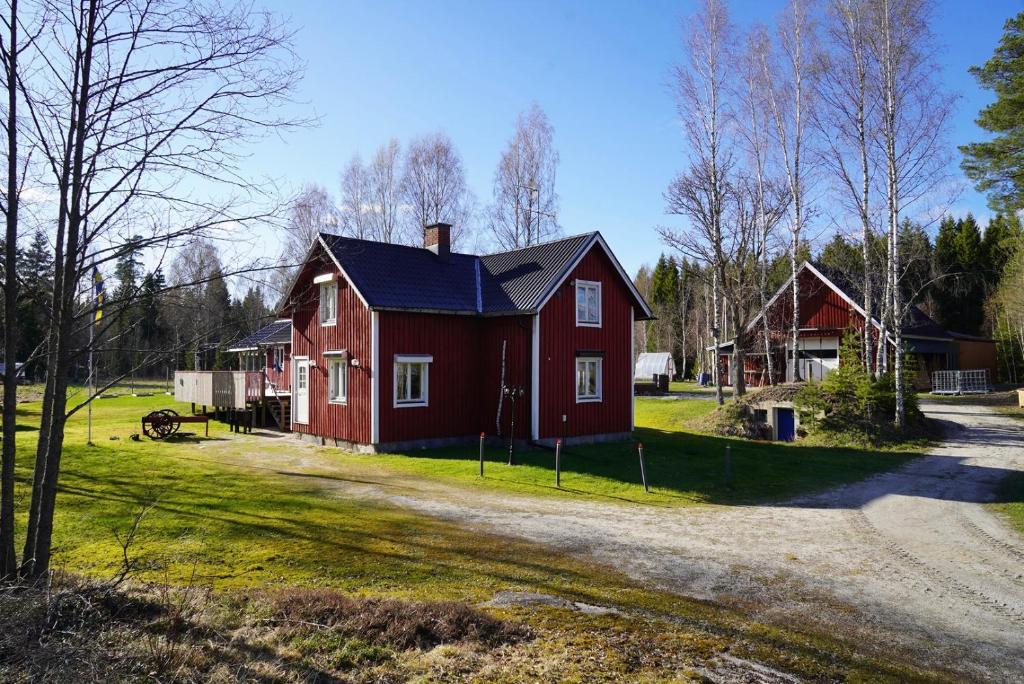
(541, 244)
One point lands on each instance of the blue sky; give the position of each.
(379, 69)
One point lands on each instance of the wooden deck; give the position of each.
(235, 392)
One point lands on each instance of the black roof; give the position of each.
(278, 332)
(517, 280)
(401, 277)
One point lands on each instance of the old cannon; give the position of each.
(165, 422)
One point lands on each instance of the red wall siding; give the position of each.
(517, 333)
(350, 422)
(282, 379)
(465, 375)
(560, 338)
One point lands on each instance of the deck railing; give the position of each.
(222, 389)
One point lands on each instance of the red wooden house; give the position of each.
(269, 349)
(398, 347)
(830, 305)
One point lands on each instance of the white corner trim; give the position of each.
(375, 368)
(535, 379)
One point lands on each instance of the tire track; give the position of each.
(965, 592)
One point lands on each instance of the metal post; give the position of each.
(482, 454)
(558, 464)
(728, 466)
(92, 384)
(643, 470)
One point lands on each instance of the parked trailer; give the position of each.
(961, 382)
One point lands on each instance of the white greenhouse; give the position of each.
(649, 364)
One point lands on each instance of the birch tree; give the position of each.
(700, 192)
(385, 193)
(770, 197)
(524, 210)
(140, 118)
(790, 88)
(849, 97)
(915, 113)
(434, 186)
(355, 201)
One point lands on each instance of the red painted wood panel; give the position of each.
(561, 338)
(464, 375)
(351, 421)
(282, 379)
(516, 333)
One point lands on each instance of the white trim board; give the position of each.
(595, 238)
(375, 369)
(535, 379)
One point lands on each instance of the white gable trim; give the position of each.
(318, 240)
(821, 276)
(596, 238)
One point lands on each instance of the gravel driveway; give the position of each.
(908, 561)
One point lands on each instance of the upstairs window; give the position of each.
(279, 358)
(588, 303)
(412, 380)
(588, 379)
(328, 303)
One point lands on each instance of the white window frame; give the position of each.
(404, 363)
(279, 358)
(336, 395)
(329, 293)
(599, 372)
(585, 285)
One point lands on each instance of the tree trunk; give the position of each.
(716, 335)
(8, 560)
(45, 482)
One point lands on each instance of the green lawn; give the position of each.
(1010, 501)
(684, 467)
(234, 529)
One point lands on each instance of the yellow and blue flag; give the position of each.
(101, 294)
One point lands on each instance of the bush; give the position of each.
(849, 401)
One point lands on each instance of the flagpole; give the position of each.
(92, 382)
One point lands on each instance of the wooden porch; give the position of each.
(245, 398)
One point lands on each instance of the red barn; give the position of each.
(829, 307)
(397, 347)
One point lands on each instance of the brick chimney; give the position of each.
(437, 237)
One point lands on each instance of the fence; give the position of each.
(223, 389)
(961, 382)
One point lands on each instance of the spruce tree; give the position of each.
(997, 165)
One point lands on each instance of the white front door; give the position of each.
(301, 394)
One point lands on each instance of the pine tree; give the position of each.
(217, 306)
(1003, 237)
(997, 165)
(35, 267)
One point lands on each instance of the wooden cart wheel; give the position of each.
(172, 424)
(159, 424)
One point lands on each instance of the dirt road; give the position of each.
(904, 561)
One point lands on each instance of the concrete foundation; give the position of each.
(492, 442)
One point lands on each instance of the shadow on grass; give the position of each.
(693, 467)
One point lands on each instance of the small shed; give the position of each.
(649, 364)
